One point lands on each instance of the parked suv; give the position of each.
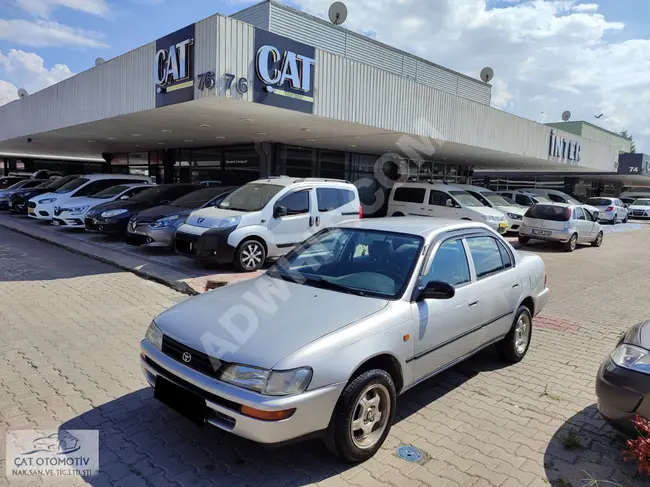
(514, 214)
(265, 219)
(611, 210)
(557, 222)
(444, 201)
(42, 207)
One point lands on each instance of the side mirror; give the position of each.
(449, 203)
(437, 290)
(280, 211)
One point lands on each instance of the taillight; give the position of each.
(610, 208)
(569, 213)
(360, 212)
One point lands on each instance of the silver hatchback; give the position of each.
(326, 340)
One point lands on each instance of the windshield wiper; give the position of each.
(333, 286)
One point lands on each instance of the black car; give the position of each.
(623, 381)
(113, 218)
(6, 181)
(25, 183)
(18, 199)
(156, 226)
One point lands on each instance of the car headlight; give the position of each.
(233, 221)
(268, 382)
(76, 210)
(632, 357)
(154, 335)
(514, 216)
(164, 222)
(46, 201)
(112, 213)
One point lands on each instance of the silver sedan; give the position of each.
(326, 340)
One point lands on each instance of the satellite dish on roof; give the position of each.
(487, 74)
(338, 12)
(99, 60)
(566, 116)
(22, 93)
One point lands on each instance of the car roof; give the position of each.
(93, 177)
(473, 187)
(289, 180)
(422, 226)
(431, 185)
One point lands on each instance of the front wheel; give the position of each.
(599, 240)
(514, 346)
(523, 240)
(250, 256)
(363, 416)
(570, 246)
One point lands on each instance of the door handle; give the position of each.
(317, 220)
(473, 303)
(516, 284)
(311, 221)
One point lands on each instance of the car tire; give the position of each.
(599, 240)
(250, 255)
(523, 240)
(571, 245)
(626, 218)
(614, 219)
(372, 389)
(514, 346)
(398, 214)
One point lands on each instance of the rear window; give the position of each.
(549, 212)
(598, 202)
(410, 195)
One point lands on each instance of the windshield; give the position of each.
(369, 263)
(110, 192)
(19, 184)
(58, 183)
(196, 199)
(465, 199)
(495, 199)
(642, 202)
(152, 194)
(72, 185)
(250, 197)
(598, 202)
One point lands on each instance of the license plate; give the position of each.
(190, 405)
(31, 211)
(503, 225)
(56, 223)
(545, 233)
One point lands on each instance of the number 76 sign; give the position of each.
(207, 81)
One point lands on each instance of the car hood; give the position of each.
(131, 206)
(163, 210)
(210, 216)
(511, 209)
(42, 196)
(260, 321)
(34, 191)
(639, 208)
(75, 202)
(484, 210)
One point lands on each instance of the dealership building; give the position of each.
(270, 91)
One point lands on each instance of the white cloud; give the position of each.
(27, 70)
(548, 56)
(42, 33)
(43, 8)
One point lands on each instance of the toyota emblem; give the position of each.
(187, 356)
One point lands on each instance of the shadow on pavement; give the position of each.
(585, 450)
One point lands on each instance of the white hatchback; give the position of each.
(444, 201)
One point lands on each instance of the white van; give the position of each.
(42, 206)
(514, 214)
(266, 219)
(442, 200)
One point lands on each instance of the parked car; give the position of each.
(640, 208)
(6, 181)
(25, 183)
(18, 200)
(74, 214)
(157, 226)
(266, 219)
(524, 197)
(558, 222)
(556, 196)
(611, 210)
(628, 201)
(623, 380)
(47, 174)
(513, 213)
(444, 201)
(113, 218)
(42, 207)
(370, 309)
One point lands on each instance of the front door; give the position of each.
(446, 329)
(584, 227)
(294, 227)
(438, 205)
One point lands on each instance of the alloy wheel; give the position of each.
(370, 416)
(573, 242)
(251, 256)
(522, 333)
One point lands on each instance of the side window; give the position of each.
(578, 214)
(346, 196)
(507, 195)
(486, 255)
(438, 198)
(87, 190)
(449, 265)
(328, 199)
(409, 195)
(522, 199)
(506, 257)
(296, 203)
(589, 215)
(479, 197)
(132, 192)
(556, 198)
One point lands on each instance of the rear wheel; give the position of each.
(250, 256)
(514, 346)
(614, 219)
(571, 245)
(599, 240)
(523, 240)
(363, 416)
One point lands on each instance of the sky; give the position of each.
(590, 57)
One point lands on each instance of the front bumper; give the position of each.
(313, 409)
(513, 225)
(622, 394)
(40, 212)
(68, 221)
(110, 226)
(500, 227)
(144, 235)
(555, 235)
(18, 206)
(210, 246)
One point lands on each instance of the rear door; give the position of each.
(409, 201)
(333, 205)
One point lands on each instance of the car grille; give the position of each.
(199, 361)
(186, 244)
(638, 213)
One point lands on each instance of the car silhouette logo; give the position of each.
(187, 356)
(200, 220)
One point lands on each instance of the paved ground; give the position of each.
(69, 333)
